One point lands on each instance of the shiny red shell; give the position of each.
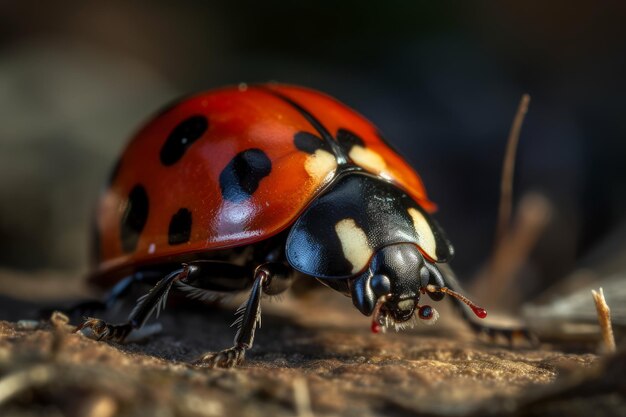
(239, 118)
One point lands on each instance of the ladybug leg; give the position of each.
(153, 301)
(511, 334)
(269, 278)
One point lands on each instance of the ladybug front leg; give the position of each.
(269, 278)
(146, 305)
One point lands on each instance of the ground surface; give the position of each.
(312, 356)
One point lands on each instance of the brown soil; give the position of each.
(312, 356)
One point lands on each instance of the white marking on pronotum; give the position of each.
(367, 158)
(319, 164)
(151, 248)
(425, 235)
(354, 244)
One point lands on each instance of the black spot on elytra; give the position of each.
(241, 177)
(182, 137)
(134, 218)
(347, 139)
(309, 143)
(180, 227)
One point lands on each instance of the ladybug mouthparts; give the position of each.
(401, 314)
(405, 313)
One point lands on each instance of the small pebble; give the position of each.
(28, 324)
(59, 319)
(101, 406)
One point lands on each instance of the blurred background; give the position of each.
(442, 81)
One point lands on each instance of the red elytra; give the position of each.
(238, 119)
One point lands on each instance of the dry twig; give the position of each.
(604, 318)
(508, 169)
(302, 398)
(17, 382)
(513, 242)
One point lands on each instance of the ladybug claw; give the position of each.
(93, 328)
(227, 358)
(102, 336)
(100, 330)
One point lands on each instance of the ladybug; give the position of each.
(248, 188)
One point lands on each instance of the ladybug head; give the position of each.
(390, 288)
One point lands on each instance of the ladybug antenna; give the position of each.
(479, 311)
